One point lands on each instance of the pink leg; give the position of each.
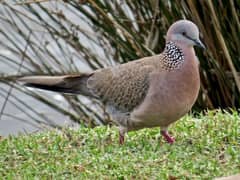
(167, 137)
(122, 131)
(121, 138)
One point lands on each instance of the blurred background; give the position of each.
(70, 37)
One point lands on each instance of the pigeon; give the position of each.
(153, 91)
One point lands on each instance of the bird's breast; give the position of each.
(171, 95)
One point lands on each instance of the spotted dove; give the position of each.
(150, 92)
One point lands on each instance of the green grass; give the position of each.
(206, 147)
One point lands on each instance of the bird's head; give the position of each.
(184, 32)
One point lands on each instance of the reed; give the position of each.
(59, 37)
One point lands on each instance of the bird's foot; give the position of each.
(167, 137)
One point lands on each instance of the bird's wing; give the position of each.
(124, 86)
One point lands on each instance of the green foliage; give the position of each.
(206, 147)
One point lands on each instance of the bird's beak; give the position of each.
(199, 43)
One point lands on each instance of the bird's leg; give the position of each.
(122, 132)
(167, 137)
(121, 138)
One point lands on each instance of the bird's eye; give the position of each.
(184, 33)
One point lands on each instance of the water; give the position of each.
(14, 121)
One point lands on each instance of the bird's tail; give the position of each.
(73, 84)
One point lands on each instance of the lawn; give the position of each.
(206, 146)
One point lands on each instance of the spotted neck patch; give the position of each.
(172, 57)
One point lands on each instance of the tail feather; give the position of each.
(74, 84)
